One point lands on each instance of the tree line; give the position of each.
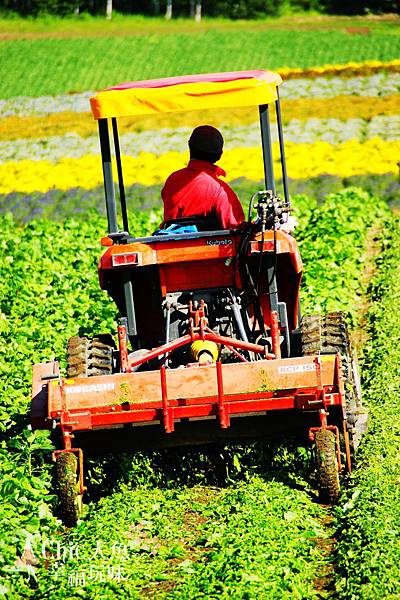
(233, 9)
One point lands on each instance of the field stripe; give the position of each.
(82, 124)
(297, 131)
(57, 205)
(132, 25)
(303, 160)
(378, 85)
(62, 65)
(348, 70)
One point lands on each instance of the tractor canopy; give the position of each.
(189, 92)
(258, 88)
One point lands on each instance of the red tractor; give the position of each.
(210, 344)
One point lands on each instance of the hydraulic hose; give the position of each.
(239, 321)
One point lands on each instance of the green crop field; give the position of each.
(239, 521)
(56, 66)
(236, 520)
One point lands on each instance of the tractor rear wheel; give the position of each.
(328, 334)
(68, 488)
(87, 357)
(327, 466)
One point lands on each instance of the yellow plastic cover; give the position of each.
(191, 92)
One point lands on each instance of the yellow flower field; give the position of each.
(303, 161)
(349, 69)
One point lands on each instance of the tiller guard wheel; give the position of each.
(68, 487)
(327, 466)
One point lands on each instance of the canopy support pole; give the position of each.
(281, 146)
(108, 178)
(129, 305)
(120, 175)
(267, 148)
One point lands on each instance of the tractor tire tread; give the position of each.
(328, 334)
(327, 466)
(87, 357)
(67, 488)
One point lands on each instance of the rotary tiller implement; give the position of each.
(210, 344)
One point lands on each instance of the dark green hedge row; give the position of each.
(233, 9)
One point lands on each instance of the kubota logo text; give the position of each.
(225, 242)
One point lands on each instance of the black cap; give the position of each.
(206, 139)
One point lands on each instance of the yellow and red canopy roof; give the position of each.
(190, 92)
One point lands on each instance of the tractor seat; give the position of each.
(189, 225)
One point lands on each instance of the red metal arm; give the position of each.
(208, 335)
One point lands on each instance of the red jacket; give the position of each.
(197, 191)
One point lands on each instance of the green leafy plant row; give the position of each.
(335, 247)
(48, 292)
(86, 63)
(369, 518)
(257, 526)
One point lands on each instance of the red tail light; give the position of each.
(128, 259)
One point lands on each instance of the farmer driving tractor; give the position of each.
(197, 191)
